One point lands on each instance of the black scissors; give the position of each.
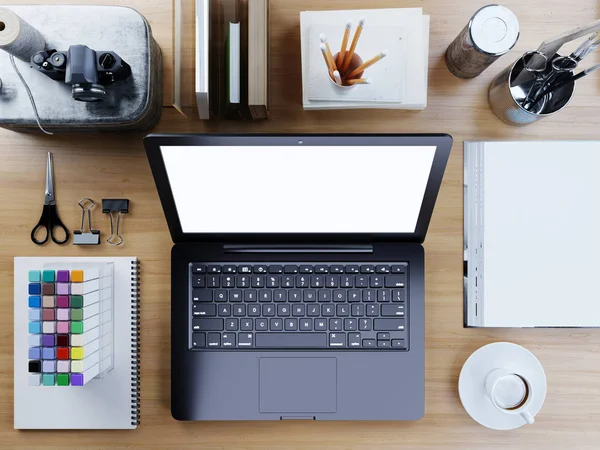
(49, 220)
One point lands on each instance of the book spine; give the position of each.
(135, 343)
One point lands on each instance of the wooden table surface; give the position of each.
(101, 166)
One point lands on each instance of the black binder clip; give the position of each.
(115, 205)
(81, 237)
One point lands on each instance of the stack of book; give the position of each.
(375, 58)
(232, 59)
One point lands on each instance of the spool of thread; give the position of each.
(19, 38)
(492, 31)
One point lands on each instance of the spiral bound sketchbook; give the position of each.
(531, 234)
(76, 343)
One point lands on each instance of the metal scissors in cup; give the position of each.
(560, 65)
(49, 220)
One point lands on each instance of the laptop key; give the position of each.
(352, 269)
(383, 295)
(336, 269)
(214, 269)
(350, 325)
(395, 281)
(239, 310)
(253, 310)
(327, 310)
(382, 269)
(295, 295)
(283, 310)
(316, 281)
(258, 281)
(367, 269)
(280, 295)
(388, 324)
(268, 310)
(361, 281)
(198, 340)
(339, 295)
(291, 340)
(369, 343)
(321, 269)
(398, 343)
(202, 295)
(275, 269)
(392, 310)
(291, 324)
(320, 324)
(228, 281)
(368, 295)
(383, 336)
(324, 296)
(305, 325)
(265, 295)
(235, 295)
(354, 340)
(229, 269)
(272, 281)
(302, 281)
(242, 281)
(198, 268)
(220, 295)
(335, 324)
(204, 310)
(309, 296)
(260, 269)
(261, 325)
(245, 340)
(332, 281)
(276, 324)
(213, 340)
(232, 324)
(312, 310)
(376, 281)
(398, 295)
(299, 310)
(365, 324)
(346, 281)
(246, 325)
(287, 281)
(337, 339)
(228, 340)
(357, 310)
(372, 310)
(213, 281)
(354, 295)
(198, 281)
(244, 269)
(343, 310)
(290, 269)
(305, 269)
(250, 296)
(383, 344)
(207, 324)
(398, 268)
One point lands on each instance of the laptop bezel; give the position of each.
(154, 142)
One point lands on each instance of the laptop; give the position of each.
(297, 274)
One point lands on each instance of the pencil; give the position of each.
(350, 53)
(330, 69)
(338, 78)
(359, 81)
(342, 54)
(369, 63)
(328, 51)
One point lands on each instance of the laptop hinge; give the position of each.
(238, 248)
(298, 418)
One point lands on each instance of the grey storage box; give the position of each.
(134, 104)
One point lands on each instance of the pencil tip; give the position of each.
(384, 53)
(349, 25)
(323, 37)
(368, 81)
(362, 20)
(323, 47)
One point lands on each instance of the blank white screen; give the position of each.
(281, 189)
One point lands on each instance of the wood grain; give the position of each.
(115, 166)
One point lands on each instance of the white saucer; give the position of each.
(472, 376)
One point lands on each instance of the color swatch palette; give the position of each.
(70, 320)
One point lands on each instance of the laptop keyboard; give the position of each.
(299, 306)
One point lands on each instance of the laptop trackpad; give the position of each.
(297, 385)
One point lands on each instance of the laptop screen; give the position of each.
(296, 189)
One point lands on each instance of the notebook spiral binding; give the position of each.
(135, 343)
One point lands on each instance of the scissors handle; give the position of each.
(49, 222)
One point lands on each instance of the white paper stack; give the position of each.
(398, 81)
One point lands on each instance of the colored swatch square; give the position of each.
(77, 365)
(35, 327)
(48, 301)
(35, 340)
(49, 353)
(62, 353)
(76, 301)
(48, 366)
(48, 314)
(77, 314)
(35, 314)
(62, 301)
(48, 379)
(76, 327)
(48, 289)
(77, 276)
(35, 353)
(62, 276)
(62, 379)
(63, 314)
(76, 379)
(62, 327)
(77, 289)
(49, 327)
(63, 366)
(48, 276)
(62, 288)
(62, 340)
(48, 340)
(35, 289)
(35, 301)
(35, 276)
(76, 352)
(35, 366)
(35, 379)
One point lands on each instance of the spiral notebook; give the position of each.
(76, 343)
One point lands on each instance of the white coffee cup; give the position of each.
(510, 392)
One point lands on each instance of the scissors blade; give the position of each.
(49, 197)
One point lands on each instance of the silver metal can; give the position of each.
(492, 31)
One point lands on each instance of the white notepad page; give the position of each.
(541, 234)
